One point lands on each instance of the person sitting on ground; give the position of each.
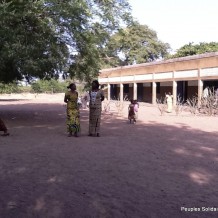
(3, 128)
(131, 112)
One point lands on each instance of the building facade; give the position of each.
(184, 77)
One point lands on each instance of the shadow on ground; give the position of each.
(143, 170)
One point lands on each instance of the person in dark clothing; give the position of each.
(3, 128)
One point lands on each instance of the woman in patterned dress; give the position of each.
(3, 128)
(73, 116)
(96, 97)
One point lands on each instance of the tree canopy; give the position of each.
(194, 49)
(42, 38)
(134, 44)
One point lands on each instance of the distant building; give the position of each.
(185, 77)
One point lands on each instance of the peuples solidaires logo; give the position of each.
(199, 209)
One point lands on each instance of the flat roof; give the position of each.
(187, 58)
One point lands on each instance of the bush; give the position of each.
(9, 88)
(40, 86)
(162, 105)
(24, 89)
(208, 104)
(49, 86)
(36, 87)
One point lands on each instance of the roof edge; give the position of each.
(187, 58)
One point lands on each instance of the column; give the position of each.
(108, 91)
(135, 91)
(174, 93)
(121, 91)
(154, 91)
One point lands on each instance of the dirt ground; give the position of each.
(160, 167)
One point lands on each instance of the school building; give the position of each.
(184, 77)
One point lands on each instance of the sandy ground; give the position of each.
(150, 169)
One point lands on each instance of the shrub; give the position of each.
(49, 86)
(9, 88)
(162, 105)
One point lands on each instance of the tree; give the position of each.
(194, 49)
(42, 38)
(134, 44)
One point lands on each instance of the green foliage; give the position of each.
(194, 49)
(136, 43)
(36, 87)
(40, 39)
(9, 88)
(24, 89)
(40, 86)
(49, 86)
(13, 88)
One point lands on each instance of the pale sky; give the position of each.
(179, 22)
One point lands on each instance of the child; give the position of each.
(86, 99)
(79, 102)
(136, 109)
(3, 128)
(131, 114)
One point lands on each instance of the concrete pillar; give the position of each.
(154, 91)
(135, 91)
(121, 91)
(200, 91)
(108, 92)
(174, 93)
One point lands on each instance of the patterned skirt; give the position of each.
(73, 120)
(94, 120)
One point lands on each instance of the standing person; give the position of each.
(79, 102)
(73, 116)
(85, 100)
(169, 102)
(95, 107)
(206, 92)
(131, 112)
(215, 97)
(136, 109)
(83, 103)
(3, 128)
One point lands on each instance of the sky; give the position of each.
(179, 22)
